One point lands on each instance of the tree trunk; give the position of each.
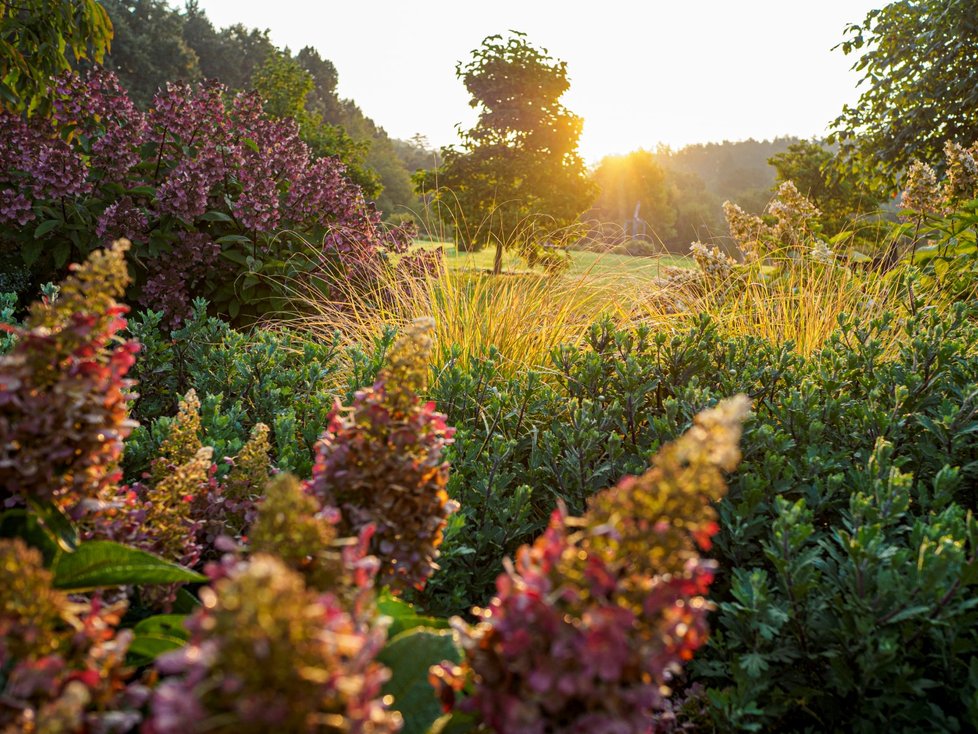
(497, 265)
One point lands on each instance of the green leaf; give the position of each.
(56, 523)
(215, 216)
(164, 625)
(144, 649)
(185, 603)
(47, 226)
(236, 257)
(148, 191)
(229, 239)
(754, 664)
(409, 655)
(157, 635)
(30, 251)
(250, 144)
(405, 616)
(61, 251)
(909, 613)
(105, 563)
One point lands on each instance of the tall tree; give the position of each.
(517, 177)
(149, 49)
(39, 39)
(919, 60)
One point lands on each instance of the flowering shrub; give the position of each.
(181, 508)
(292, 526)
(380, 463)
(269, 653)
(63, 390)
(795, 225)
(593, 619)
(941, 222)
(200, 184)
(716, 266)
(62, 662)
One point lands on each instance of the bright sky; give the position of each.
(642, 73)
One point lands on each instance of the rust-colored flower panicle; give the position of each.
(64, 392)
(270, 654)
(591, 621)
(381, 463)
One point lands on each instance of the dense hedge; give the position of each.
(846, 549)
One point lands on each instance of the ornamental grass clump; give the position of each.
(63, 390)
(792, 286)
(268, 653)
(592, 621)
(380, 462)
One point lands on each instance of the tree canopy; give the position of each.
(517, 178)
(812, 168)
(39, 39)
(919, 62)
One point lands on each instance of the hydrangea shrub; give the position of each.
(381, 463)
(63, 390)
(593, 619)
(269, 653)
(63, 662)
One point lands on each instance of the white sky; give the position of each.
(669, 71)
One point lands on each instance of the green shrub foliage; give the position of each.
(846, 550)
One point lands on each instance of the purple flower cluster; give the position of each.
(199, 168)
(122, 219)
(35, 164)
(171, 283)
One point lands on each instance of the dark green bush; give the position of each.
(243, 378)
(847, 551)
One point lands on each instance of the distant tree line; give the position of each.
(678, 195)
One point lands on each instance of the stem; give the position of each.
(159, 158)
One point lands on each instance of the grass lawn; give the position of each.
(599, 264)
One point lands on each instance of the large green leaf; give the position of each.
(405, 616)
(104, 563)
(409, 655)
(157, 635)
